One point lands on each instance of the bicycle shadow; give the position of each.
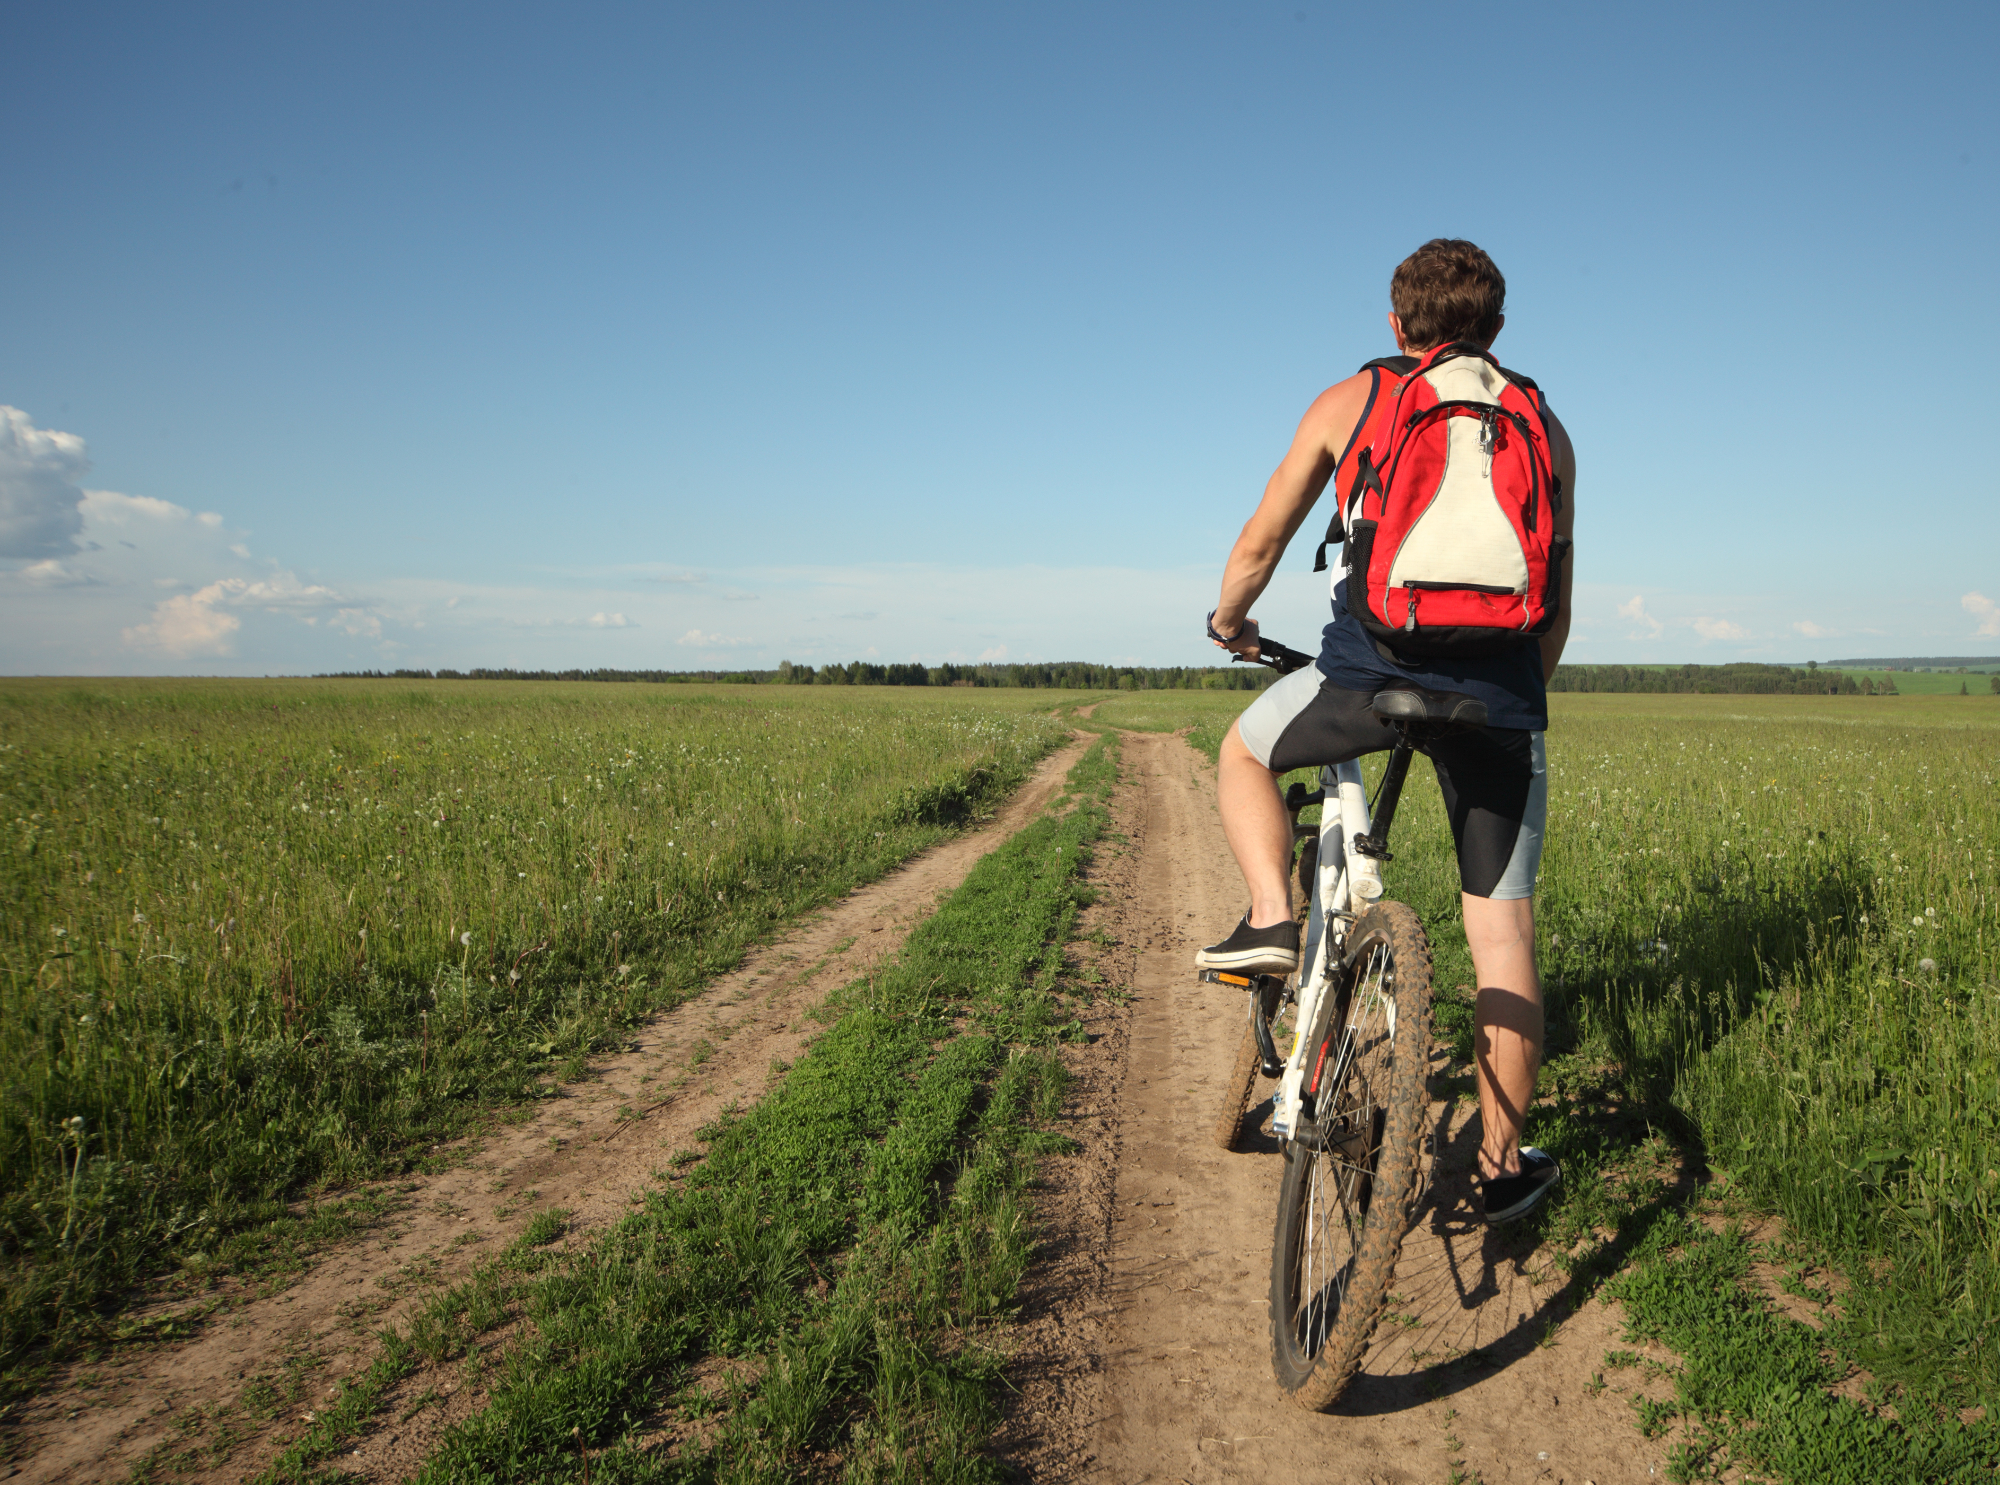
(1468, 1299)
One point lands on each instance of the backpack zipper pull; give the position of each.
(1410, 623)
(1489, 432)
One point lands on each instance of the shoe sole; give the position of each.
(1526, 1204)
(1252, 961)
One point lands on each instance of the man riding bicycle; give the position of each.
(1494, 778)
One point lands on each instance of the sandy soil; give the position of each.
(578, 1152)
(1146, 1349)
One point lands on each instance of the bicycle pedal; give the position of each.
(1238, 982)
(1223, 977)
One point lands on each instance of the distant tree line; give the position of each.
(1071, 675)
(1957, 663)
(1083, 675)
(1744, 679)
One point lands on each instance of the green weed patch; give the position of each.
(1751, 1387)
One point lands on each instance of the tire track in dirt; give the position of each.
(577, 1151)
(1161, 1246)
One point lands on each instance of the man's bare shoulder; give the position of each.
(1331, 418)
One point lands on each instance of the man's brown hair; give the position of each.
(1448, 289)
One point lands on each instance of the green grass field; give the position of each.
(1933, 683)
(268, 938)
(1767, 929)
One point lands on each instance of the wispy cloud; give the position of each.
(199, 623)
(50, 573)
(1810, 630)
(1984, 609)
(1635, 610)
(694, 639)
(1709, 628)
(611, 621)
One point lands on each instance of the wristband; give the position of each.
(1225, 639)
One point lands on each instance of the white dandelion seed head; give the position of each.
(466, 938)
(1928, 966)
(1916, 922)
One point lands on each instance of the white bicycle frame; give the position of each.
(1346, 884)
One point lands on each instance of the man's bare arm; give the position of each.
(1564, 457)
(1288, 499)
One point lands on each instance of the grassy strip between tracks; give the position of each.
(820, 1296)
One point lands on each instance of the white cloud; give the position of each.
(198, 623)
(1983, 609)
(209, 518)
(1709, 628)
(39, 493)
(109, 508)
(1810, 630)
(50, 573)
(187, 624)
(612, 621)
(695, 639)
(998, 652)
(1635, 610)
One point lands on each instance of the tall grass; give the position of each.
(263, 938)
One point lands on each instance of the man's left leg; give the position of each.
(1507, 1024)
(1495, 785)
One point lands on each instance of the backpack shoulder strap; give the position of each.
(1398, 366)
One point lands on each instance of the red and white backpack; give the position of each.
(1448, 496)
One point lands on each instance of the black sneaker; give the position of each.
(1509, 1197)
(1254, 951)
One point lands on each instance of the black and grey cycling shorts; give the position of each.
(1495, 780)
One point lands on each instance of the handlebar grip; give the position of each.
(1281, 658)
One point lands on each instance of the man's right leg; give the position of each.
(1300, 722)
(1258, 829)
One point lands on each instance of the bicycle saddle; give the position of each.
(1406, 701)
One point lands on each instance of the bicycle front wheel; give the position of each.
(1350, 1180)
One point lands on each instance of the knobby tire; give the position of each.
(1343, 1208)
(1237, 1090)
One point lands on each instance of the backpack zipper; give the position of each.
(1410, 624)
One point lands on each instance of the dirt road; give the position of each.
(577, 1152)
(1162, 1247)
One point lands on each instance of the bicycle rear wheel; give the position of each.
(1350, 1180)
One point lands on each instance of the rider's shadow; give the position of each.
(1468, 1299)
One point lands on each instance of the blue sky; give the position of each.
(691, 335)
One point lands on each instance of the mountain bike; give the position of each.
(1349, 1108)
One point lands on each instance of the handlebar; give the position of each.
(1276, 656)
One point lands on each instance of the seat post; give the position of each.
(1375, 844)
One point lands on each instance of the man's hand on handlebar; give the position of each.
(1242, 644)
